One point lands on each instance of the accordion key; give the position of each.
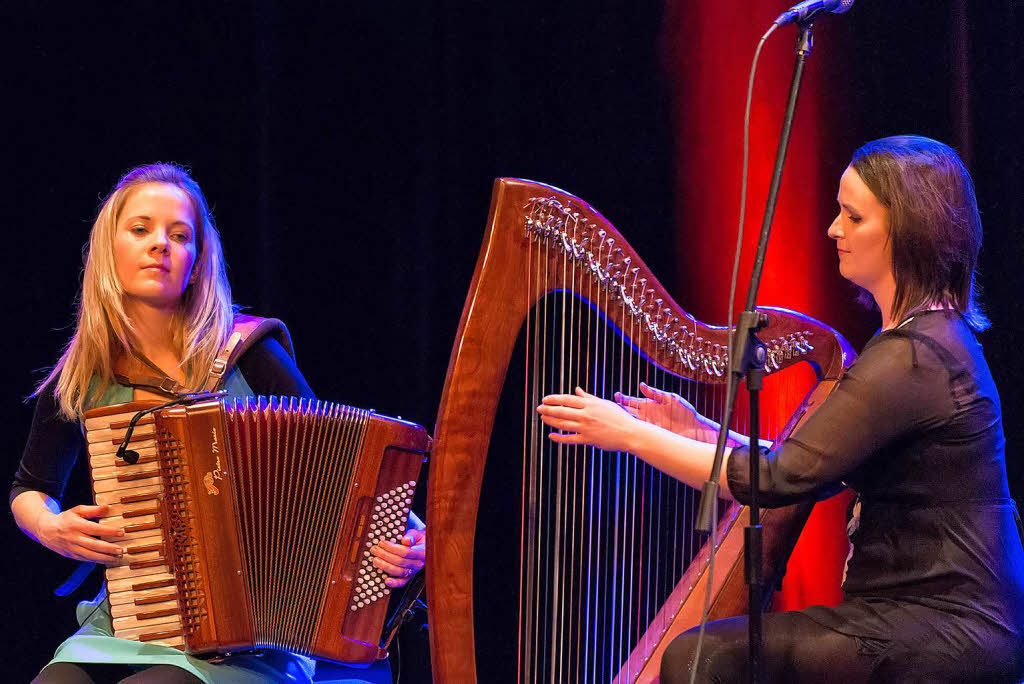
(249, 522)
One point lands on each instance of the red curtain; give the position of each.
(710, 46)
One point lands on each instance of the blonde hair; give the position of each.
(103, 329)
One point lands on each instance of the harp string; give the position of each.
(606, 537)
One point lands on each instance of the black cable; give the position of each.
(131, 456)
(732, 295)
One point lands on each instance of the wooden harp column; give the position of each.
(584, 248)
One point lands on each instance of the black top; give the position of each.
(54, 442)
(915, 429)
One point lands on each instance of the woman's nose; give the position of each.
(159, 243)
(835, 231)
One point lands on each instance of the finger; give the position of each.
(395, 554)
(632, 410)
(580, 392)
(561, 412)
(565, 438)
(94, 529)
(652, 392)
(561, 424)
(393, 569)
(626, 400)
(82, 553)
(91, 511)
(411, 553)
(98, 545)
(569, 400)
(414, 537)
(393, 560)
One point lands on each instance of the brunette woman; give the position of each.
(934, 589)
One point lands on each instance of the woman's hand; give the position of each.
(72, 533)
(404, 560)
(582, 418)
(670, 411)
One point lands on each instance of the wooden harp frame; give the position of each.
(496, 308)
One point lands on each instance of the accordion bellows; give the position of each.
(249, 522)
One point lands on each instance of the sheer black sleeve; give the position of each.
(54, 444)
(270, 370)
(892, 390)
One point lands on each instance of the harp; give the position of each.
(604, 572)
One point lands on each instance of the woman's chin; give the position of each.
(154, 299)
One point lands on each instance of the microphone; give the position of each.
(807, 9)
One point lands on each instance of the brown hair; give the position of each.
(934, 224)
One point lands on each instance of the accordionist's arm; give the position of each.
(53, 445)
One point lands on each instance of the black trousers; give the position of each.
(799, 650)
(796, 649)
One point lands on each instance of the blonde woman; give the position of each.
(155, 298)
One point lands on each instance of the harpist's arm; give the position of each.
(585, 419)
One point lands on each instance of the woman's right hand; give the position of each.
(670, 411)
(72, 533)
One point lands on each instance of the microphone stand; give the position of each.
(748, 361)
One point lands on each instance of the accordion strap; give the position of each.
(136, 370)
(248, 330)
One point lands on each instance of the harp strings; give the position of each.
(605, 537)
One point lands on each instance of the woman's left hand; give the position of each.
(583, 418)
(403, 560)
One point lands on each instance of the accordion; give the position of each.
(248, 522)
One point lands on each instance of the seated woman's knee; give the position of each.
(721, 660)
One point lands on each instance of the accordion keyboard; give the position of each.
(141, 590)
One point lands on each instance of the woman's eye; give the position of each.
(180, 237)
(138, 230)
(854, 219)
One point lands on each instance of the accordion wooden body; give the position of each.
(249, 522)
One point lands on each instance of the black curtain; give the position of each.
(348, 150)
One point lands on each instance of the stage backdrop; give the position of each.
(349, 153)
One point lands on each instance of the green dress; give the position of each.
(94, 642)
